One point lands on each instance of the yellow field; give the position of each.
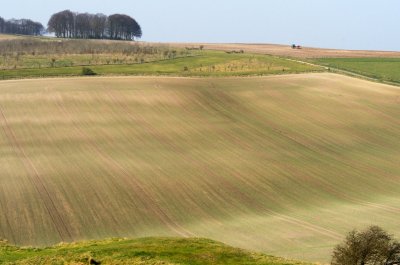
(282, 164)
(7, 37)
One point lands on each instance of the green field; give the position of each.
(383, 69)
(286, 165)
(207, 63)
(148, 251)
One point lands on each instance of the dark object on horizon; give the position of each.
(67, 24)
(373, 246)
(294, 46)
(21, 27)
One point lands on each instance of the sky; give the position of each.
(342, 24)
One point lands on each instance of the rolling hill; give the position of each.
(282, 164)
(146, 251)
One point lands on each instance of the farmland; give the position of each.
(7, 37)
(45, 57)
(287, 51)
(210, 63)
(382, 69)
(282, 164)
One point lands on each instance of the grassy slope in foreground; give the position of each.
(282, 164)
(147, 251)
(383, 69)
(208, 63)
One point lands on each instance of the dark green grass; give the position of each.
(208, 63)
(139, 251)
(383, 69)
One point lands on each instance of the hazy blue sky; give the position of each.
(353, 24)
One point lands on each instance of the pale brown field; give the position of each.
(7, 37)
(270, 49)
(286, 50)
(283, 164)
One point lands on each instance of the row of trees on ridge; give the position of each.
(21, 26)
(67, 24)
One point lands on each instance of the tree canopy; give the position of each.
(21, 26)
(67, 24)
(373, 246)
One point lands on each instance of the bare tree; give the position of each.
(372, 246)
(123, 27)
(82, 22)
(62, 24)
(21, 26)
(99, 24)
(66, 24)
(56, 25)
(2, 24)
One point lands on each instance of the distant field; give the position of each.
(25, 57)
(207, 63)
(7, 37)
(282, 164)
(41, 53)
(148, 251)
(261, 48)
(384, 69)
(287, 51)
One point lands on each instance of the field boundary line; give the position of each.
(346, 72)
